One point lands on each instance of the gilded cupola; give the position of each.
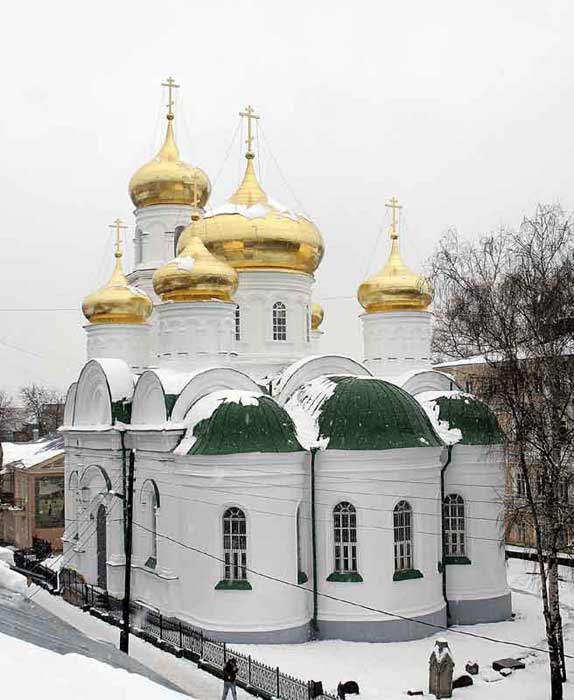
(167, 179)
(196, 274)
(117, 301)
(395, 287)
(317, 315)
(252, 232)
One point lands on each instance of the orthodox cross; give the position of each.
(118, 226)
(250, 114)
(170, 84)
(393, 204)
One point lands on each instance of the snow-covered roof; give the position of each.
(30, 454)
(256, 211)
(474, 360)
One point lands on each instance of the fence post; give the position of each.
(180, 636)
(224, 653)
(278, 676)
(201, 639)
(249, 671)
(160, 626)
(309, 690)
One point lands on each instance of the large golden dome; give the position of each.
(252, 233)
(117, 301)
(196, 274)
(168, 180)
(395, 287)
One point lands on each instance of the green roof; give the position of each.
(259, 426)
(476, 422)
(365, 413)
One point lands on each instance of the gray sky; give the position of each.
(461, 109)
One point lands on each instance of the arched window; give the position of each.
(150, 504)
(308, 323)
(237, 323)
(345, 537)
(403, 536)
(101, 547)
(234, 545)
(453, 518)
(279, 321)
(138, 247)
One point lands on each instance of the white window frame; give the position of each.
(234, 542)
(403, 536)
(279, 325)
(454, 526)
(345, 538)
(237, 323)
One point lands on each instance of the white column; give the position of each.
(122, 341)
(396, 341)
(316, 342)
(196, 334)
(259, 354)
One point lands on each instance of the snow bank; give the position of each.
(7, 556)
(12, 581)
(31, 671)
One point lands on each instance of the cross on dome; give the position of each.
(394, 205)
(250, 115)
(171, 85)
(118, 225)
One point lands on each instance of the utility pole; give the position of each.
(128, 527)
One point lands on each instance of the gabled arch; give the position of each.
(103, 385)
(149, 401)
(206, 382)
(310, 368)
(70, 403)
(427, 380)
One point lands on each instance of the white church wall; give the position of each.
(374, 482)
(129, 342)
(478, 592)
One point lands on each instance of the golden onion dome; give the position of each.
(395, 287)
(317, 315)
(251, 232)
(196, 274)
(168, 180)
(117, 301)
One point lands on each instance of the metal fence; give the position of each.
(182, 639)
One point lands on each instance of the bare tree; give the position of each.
(7, 411)
(43, 406)
(510, 298)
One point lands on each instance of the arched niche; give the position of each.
(102, 384)
(310, 368)
(428, 380)
(207, 381)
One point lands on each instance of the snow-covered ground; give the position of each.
(28, 671)
(387, 671)
(383, 671)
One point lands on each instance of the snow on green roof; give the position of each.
(232, 422)
(359, 413)
(461, 418)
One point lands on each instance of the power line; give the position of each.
(350, 602)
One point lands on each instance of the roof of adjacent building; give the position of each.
(26, 455)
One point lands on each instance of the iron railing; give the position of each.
(182, 639)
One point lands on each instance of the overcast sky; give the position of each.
(464, 110)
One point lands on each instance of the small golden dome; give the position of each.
(317, 315)
(196, 274)
(117, 301)
(168, 180)
(252, 233)
(395, 287)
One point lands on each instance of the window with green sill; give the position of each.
(345, 541)
(234, 552)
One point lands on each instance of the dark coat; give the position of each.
(230, 671)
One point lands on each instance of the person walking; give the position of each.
(229, 675)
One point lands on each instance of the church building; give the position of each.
(279, 491)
